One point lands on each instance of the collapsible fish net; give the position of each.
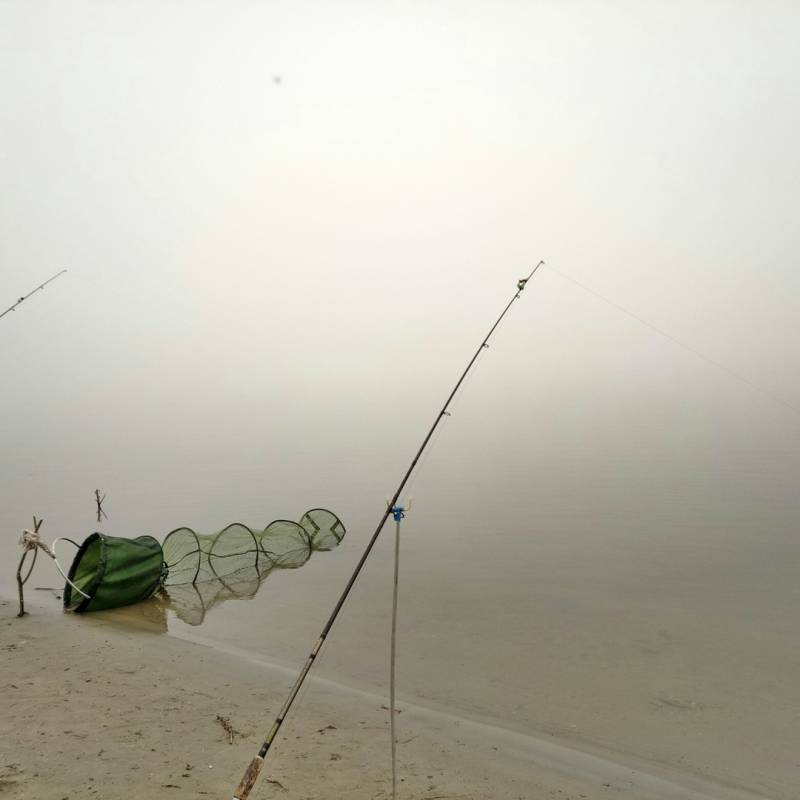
(191, 557)
(109, 571)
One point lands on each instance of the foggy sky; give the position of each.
(261, 264)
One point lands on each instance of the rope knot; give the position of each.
(30, 541)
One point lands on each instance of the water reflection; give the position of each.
(192, 601)
(189, 602)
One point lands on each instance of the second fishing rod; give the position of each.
(33, 291)
(254, 768)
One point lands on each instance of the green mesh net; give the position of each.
(197, 570)
(192, 558)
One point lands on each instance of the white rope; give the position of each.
(31, 540)
(64, 574)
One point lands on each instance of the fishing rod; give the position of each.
(254, 768)
(40, 286)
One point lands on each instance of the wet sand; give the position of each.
(96, 709)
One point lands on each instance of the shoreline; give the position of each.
(64, 674)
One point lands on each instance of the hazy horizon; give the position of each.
(331, 245)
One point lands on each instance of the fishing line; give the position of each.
(693, 350)
(253, 770)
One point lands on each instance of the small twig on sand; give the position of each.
(227, 727)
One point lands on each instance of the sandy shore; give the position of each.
(94, 710)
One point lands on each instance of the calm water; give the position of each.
(634, 595)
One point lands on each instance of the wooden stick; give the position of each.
(99, 501)
(21, 583)
(20, 580)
